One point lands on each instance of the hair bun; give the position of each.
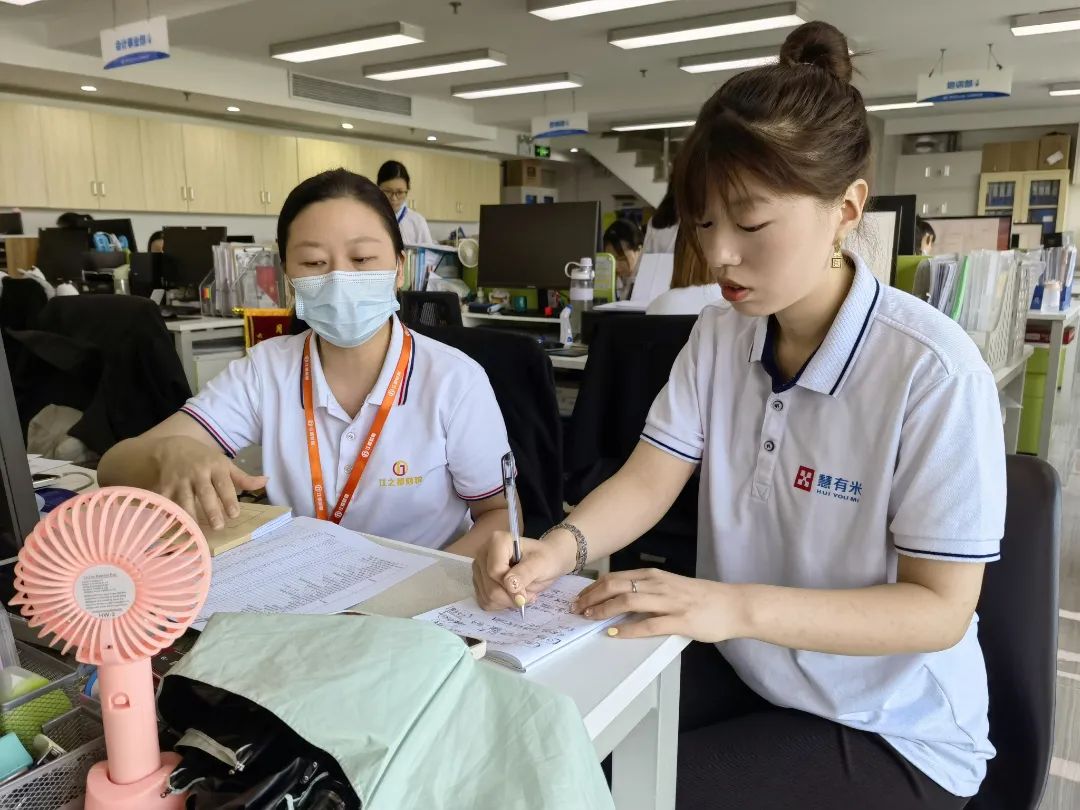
(821, 45)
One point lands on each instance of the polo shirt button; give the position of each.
(777, 405)
(770, 445)
(348, 468)
(350, 436)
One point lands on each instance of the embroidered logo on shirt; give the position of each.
(401, 477)
(400, 468)
(833, 486)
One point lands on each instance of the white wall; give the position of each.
(585, 180)
(263, 228)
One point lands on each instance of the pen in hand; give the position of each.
(510, 492)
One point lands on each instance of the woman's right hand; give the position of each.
(201, 480)
(499, 584)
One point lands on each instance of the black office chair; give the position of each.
(1018, 631)
(430, 308)
(522, 379)
(630, 360)
(21, 300)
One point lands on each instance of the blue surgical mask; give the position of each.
(347, 307)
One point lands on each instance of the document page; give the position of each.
(309, 566)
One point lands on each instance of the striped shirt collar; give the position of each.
(832, 363)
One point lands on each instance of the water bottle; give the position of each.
(581, 275)
(566, 333)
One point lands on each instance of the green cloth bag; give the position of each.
(412, 719)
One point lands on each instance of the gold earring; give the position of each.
(838, 256)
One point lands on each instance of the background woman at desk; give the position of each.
(852, 481)
(622, 239)
(395, 184)
(424, 411)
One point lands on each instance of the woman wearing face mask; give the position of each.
(396, 185)
(425, 412)
(852, 471)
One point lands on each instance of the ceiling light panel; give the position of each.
(671, 124)
(886, 105)
(516, 87)
(555, 10)
(729, 23)
(346, 43)
(730, 60)
(436, 65)
(1070, 89)
(1049, 22)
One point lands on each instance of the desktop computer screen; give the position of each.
(530, 245)
(18, 507)
(60, 253)
(191, 254)
(11, 223)
(118, 228)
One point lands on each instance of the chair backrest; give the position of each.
(1018, 631)
(21, 300)
(630, 360)
(523, 381)
(430, 308)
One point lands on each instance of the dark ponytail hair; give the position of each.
(622, 235)
(336, 184)
(392, 170)
(798, 127)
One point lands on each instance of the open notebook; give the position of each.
(254, 521)
(548, 627)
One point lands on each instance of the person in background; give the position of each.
(156, 242)
(71, 219)
(693, 285)
(663, 227)
(925, 237)
(407, 438)
(623, 240)
(852, 463)
(394, 182)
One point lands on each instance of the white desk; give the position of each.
(208, 342)
(569, 363)
(1058, 322)
(1010, 382)
(627, 691)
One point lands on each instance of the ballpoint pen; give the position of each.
(509, 468)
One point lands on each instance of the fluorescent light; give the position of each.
(19, 2)
(728, 23)
(574, 150)
(88, 88)
(1072, 89)
(432, 137)
(232, 109)
(653, 125)
(436, 65)
(897, 104)
(516, 87)
(361, 40)
(568, 9)
(346, 125)
(729, 60)
(1049, 22)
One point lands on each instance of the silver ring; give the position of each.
(633, 586)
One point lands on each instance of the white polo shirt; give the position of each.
(441, 447)
(414, 228)
(888, 442)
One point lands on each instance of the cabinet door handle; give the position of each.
(101, 188)
(93, 188)
(944, 207)
(925, 208)
(928, 172)
(191, 193)
(946, 171)
(183, 192)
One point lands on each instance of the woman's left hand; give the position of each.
(684, 606)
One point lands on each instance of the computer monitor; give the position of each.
(18, 507)
(243, 239)
(191, 251)
(530, 245)
(146, 272)
(11, 223)
(118, 228)
(60, 253)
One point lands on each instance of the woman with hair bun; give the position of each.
(852, 468)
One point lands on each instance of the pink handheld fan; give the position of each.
(118, 574)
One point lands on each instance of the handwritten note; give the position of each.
(520, 643)
(310, 566)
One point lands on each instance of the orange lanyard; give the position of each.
(318, 492)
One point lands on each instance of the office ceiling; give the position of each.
(901, 38)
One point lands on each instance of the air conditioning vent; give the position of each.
(348, 95)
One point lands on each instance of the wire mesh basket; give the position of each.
(995, 344)
(57, 785)
(1027, 278)
(26, 714)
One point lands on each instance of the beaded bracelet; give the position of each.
(582, 544)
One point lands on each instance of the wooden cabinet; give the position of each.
(22, 160)
(68, 148)
(243, 172)
(315, 156)
(945, 203)
(1040, 198)
(163, 174)
(937, 172)
(118, 162)
(279, 168)
(204, 165)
